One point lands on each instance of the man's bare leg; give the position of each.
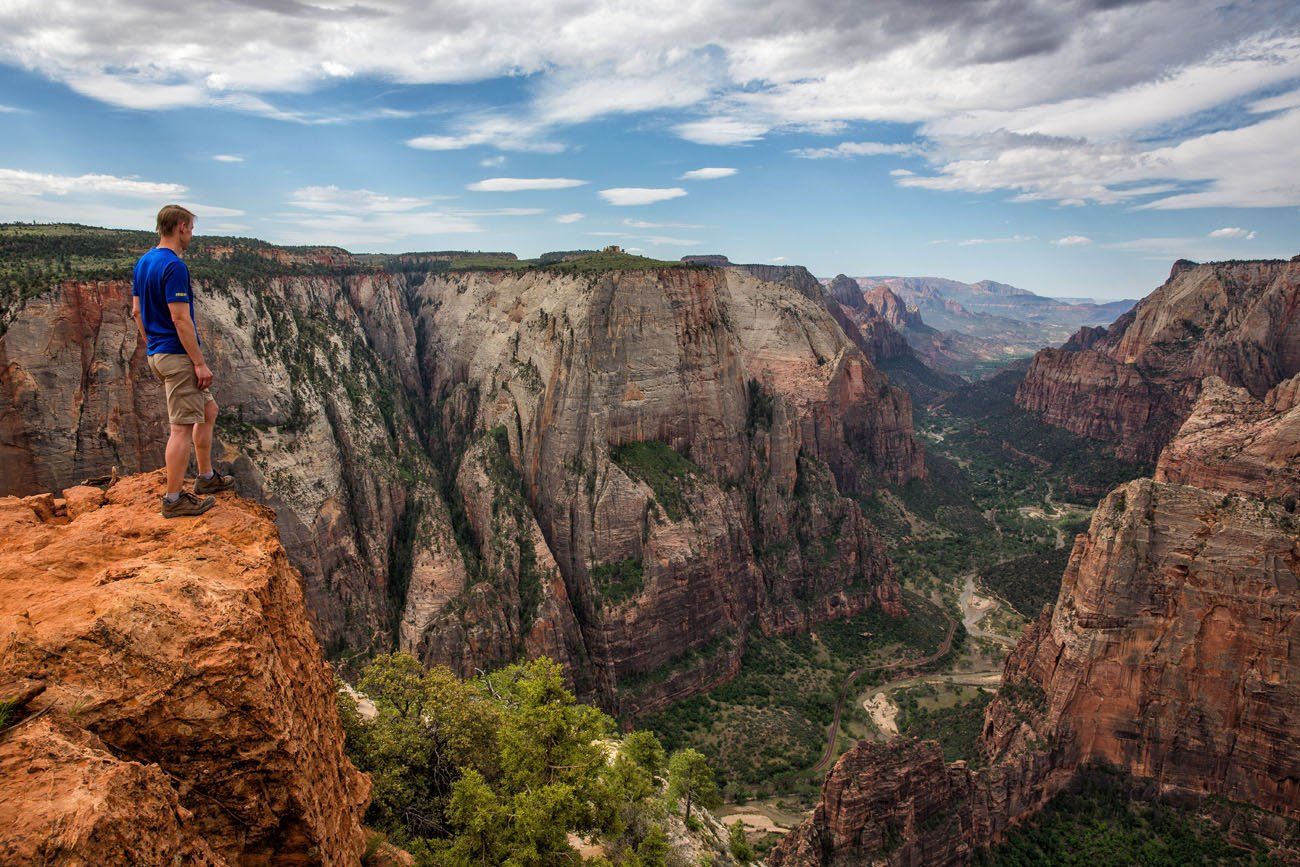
(178, 456)
(203, 438)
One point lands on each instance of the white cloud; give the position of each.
(364, 218)
(978, 242)
(644, 224)
(1168, 97)
(228, 158)
(1233, 232)
(1073, 241)
(569, 218)
(9, 109)
(502, 212)
(95, 199)
(777, 259)
(512, 185)
(722, 131)
(640, 195)
(331, 198)
(492, 162)
(491, 130)
(855, 149)
(707, 174)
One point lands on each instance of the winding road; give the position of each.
(828, 755)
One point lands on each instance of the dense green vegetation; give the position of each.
(993, 501)
(1102, 826)
(660, 466)
(956, 727)
(769, 723)
(599, 262)
(1030, 581)
(619, 581)
(501, 769)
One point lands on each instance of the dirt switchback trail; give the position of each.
(828, 755)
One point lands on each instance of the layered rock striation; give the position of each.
(1134, 385)
(1172, 654)
(167, 700)
(627, 470)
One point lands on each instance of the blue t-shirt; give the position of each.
(161, 278)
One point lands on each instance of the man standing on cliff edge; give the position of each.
(163, 307)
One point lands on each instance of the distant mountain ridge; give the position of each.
(970, 328)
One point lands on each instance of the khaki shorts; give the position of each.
(185, 400)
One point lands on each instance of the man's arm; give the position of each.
(180, 311)
(135, 314)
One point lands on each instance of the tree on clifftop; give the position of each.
(691, 778)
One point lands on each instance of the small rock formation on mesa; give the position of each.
(1172, 654)
(1134, 385)
(168, 701)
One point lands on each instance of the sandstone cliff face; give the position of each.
(1134, 386)
(1232, 442)
(314, 423)
(358, 403)
(1173, 653)
(1174, 649)
(172, 704)
(754, 533)
(901, 804)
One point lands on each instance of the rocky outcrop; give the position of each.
(1232, 442)
(846, 291)
(168, 701)
(438, 448)
(1172, 654)
(1173, 651)
(901, 804)
(1134, 386)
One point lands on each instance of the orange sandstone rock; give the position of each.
(187, 711)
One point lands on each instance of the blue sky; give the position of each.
(1072, 148)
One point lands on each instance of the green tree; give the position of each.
(738, 844)
(653, 849)
(644, 748)
(691, 778)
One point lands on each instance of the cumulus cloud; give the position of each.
(640, 195)
(643, 224)
(1073, 241)
(722, 131)
(1233, 232)
(513, 185)
(228, 158)
(855, 149)
(978, 242)
(333, 215)
(502, 132)
(1164, 104)
(98, 199)
(16, 182)
(569, 218)
(707, 174)
(332, 198)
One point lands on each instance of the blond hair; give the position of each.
(171, 217)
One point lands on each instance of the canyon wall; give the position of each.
(167, 701)
(626, 470)
(1136, 383)
(1172, 654)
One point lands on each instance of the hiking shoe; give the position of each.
(218, 482)
(187, 505)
